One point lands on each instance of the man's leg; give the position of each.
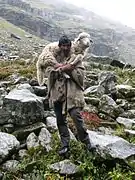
(62, 127)
(79, 123)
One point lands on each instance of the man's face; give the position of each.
(65, 48)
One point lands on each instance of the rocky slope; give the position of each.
(29, 138)
(51, 19)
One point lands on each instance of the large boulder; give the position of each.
(22, 107)
(108, 106)
(111, 147)
(8, 143)
(65, 167)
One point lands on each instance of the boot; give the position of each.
(89, 146)
(64, 151)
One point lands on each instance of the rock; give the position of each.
(10, 165)
(8, 143)
(105, 130)
(22, 153)
(111, 147)
(5, 83)
(32, 141)
(51, 124)
(89, 83)
(91, 91)
(128, 114)
(3, 93)
(128, 123)
(65, 167)
(25, 86)
(72, 136)
(20, 79)
(117, 63)
(107, 80)
(126, 90)
(22, 133)
(33, 82)
(1, 176)
(40, 91)
(45, 139)
(92, 100)
(22, 106)
(108, 106)
(8, 128)
(123, 103)
(15, 36)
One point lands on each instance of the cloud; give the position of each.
(119, 10)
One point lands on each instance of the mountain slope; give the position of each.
(51, 19)
(25, 46)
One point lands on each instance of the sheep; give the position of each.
(50, 53)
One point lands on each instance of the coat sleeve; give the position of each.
(77, 75)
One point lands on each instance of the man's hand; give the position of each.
(67, 67)
(59, 65)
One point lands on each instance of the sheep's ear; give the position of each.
(91, 40)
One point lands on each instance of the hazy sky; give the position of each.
(119, 10)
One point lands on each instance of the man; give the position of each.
(65, 89)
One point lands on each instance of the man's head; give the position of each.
(65, 45)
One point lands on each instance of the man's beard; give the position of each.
(66, 52)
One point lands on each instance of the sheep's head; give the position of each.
(83, 40)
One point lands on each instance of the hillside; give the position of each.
(50, 19)
(24, 47)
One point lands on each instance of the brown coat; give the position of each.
(63, 87)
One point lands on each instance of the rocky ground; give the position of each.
(29, 138)
(16, 43)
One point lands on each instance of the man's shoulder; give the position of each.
(52, 45)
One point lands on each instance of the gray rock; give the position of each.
(8, 128)
(126, 90)
(128, 123)
(92, 100)
(1, 175)
(22, 153)
(8, 143)
(72, 136)
(107, 83)
(111, 147)
(108, 106)
(105, 130)
(123, 103)
(25, 86)
(40, 90)
(128, 114)
(45, 139)
(51, 124)
(65, 167)
(3, 93)
(91, 91)
(22, 133)
(23, 107)
(21, 79)
(32, 141)
(4, 83)
(10, 165)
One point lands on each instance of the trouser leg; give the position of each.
(62, 124)
(79, 123)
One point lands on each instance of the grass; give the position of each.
(35, 165)
(7, 68)
(38, 4)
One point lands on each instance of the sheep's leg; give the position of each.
(40, 74)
